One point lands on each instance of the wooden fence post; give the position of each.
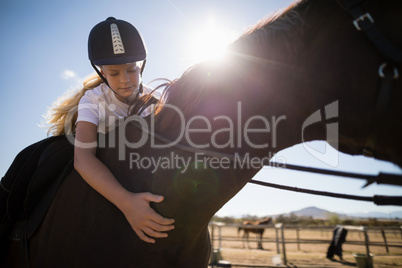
(213, 235)
(366, 240)
(385, 240)
(220, 224)
(298, 238)
(276, 237)
(285, 262)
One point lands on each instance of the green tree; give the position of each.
(334, 219)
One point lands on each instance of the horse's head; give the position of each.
(341, 63)
(266, 221)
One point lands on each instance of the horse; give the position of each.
(258, 231)
(306, 74)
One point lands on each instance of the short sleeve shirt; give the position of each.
(100, 107)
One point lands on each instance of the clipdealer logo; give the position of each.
(240, 126)
(328, 114)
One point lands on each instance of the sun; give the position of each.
(208, 43)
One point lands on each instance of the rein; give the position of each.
(363, 21)
(381, 178)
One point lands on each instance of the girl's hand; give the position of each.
(145, 222)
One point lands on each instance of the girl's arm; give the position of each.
(135, 206)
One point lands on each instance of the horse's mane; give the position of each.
(249, 49)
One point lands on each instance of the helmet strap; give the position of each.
(140, 89)
(103, 78)
(100, 74)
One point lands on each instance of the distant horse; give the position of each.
(258, 231)
(305, 75)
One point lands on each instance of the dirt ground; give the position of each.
(312, 254)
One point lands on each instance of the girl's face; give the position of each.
(124, 79)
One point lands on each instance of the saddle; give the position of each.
(30, 184)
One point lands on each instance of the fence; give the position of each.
(280, 240)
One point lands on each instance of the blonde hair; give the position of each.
(62, 116)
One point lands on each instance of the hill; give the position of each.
(318, 213)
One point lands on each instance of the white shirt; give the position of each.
(100, 106)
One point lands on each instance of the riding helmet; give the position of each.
(115, 41)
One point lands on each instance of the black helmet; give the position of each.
(115, 42)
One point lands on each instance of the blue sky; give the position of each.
(44, 54)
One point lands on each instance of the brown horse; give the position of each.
(305, 75)
(258, 231)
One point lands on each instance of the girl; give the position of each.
(118, 49)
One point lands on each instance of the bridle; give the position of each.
(387, 71)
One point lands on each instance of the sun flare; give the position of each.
(209, 42)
